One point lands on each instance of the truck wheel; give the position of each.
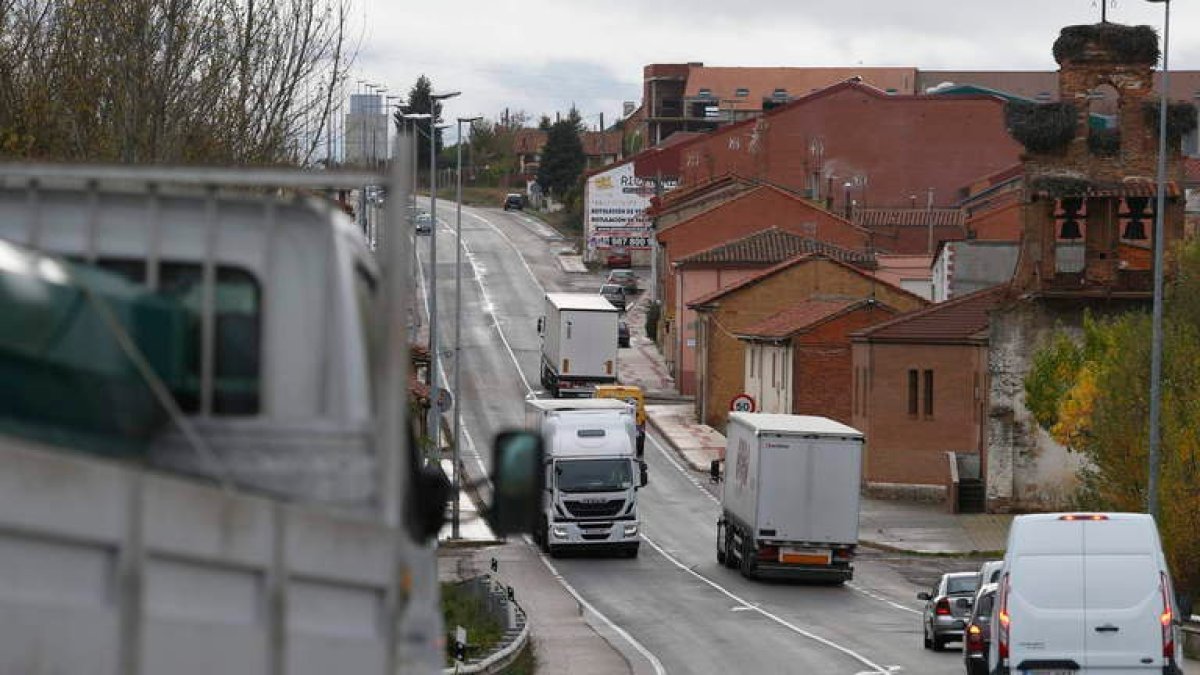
(747, 562)
(632, 551)
(729, 561)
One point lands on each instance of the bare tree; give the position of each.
(192, 81)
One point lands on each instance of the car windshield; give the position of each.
(594, 475)
(962, 585)
(611, 289)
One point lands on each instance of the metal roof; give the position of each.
(806, 425)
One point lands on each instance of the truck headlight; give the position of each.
(631, 529)
(560, 532)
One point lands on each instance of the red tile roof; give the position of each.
(908, 217)
(797, 318)
(760, 83)
(806, 257)
(954, 321)
(768, 247)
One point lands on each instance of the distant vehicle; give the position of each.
(989, 572)
(618, 256)
(790, 499)
(622, 334)
(592, 475)
(423, 223)
(626, 278)
(977, 634)
(947, 607)
(1086, 593)
(514, 200)
(579, 343)
(633, 395)
(614, 293)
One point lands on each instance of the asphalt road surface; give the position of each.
(674, 609)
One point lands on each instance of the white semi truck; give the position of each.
(579, 343)
(790, 498)
(592, 474)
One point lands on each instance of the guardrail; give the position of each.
(503, 605)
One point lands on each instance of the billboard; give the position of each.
(615, 203)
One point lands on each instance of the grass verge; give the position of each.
(461, 607)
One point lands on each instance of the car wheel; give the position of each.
(939, 644)
(925, 635)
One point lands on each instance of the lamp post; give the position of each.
(1156, 339)
(434, 428)
(457, 486)
(412, 119)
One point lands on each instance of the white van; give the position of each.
(1085, 593)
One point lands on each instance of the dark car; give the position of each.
(614, 294)
(423, 222)
(947, 607)
(626, 278)
(618, 256)
(514, 201)
(622, 334)
(976, 636)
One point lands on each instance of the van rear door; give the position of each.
(1121, 588)
(1046, 597)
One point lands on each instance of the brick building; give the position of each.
(798, 360)
(919, 391)
(1089, 192)
(724, 265)
(723, 314)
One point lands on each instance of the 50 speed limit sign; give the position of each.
(742, 403)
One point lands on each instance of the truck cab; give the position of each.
(592, 475)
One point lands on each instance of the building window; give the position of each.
(929, 393)
(913, 384)
(779, 92)
(774, 380)
(753, 351)
(742, 92)
(705, 92)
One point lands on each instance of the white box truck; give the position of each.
(579, 343)
(592, 474)
(790, 498)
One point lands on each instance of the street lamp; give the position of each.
(1156, 339)
(457, 487)
(434, 428)
(413, 118)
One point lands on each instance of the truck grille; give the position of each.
(603, 509)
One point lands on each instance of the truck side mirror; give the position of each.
(518, 479)
(714, 470)
(644, 476)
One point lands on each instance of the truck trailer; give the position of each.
(592, 474)
(579, 344)
(790, 497)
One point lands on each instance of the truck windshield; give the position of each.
(594, 475)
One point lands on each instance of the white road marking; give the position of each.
(876, 668)
(880, 598)
(654, 662)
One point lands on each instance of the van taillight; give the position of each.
(1165, 618)
(1004, 619)
(942, 608)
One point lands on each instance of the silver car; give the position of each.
(947, 608)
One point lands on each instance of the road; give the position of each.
(678, 611)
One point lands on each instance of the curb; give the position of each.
(869, 543)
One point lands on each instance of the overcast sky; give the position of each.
(542, 56)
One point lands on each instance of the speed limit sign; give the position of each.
(742, 403)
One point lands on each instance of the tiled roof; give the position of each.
(805, 257)
(1191, 171)
(595, 143)
(768, 247)
(954, 321)
(797, 318)
(599, 143)
(760, 83)
(908, 217)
